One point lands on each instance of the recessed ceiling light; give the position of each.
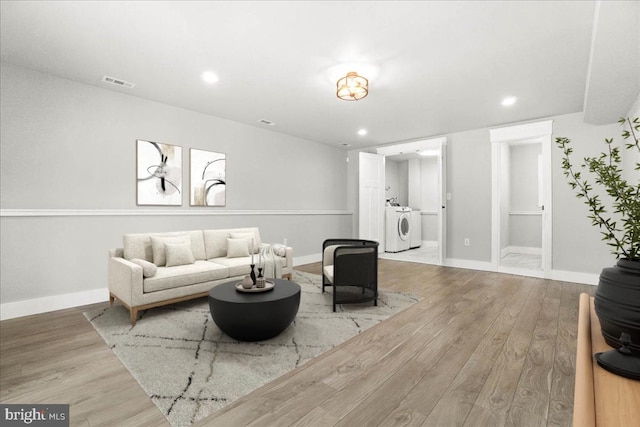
(209, 77)
(509, 101)
(362, 132)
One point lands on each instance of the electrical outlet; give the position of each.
(467, 242)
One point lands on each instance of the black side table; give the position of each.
(254, 316)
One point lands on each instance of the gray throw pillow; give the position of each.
(179, 254)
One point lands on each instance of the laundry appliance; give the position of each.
(398, 228)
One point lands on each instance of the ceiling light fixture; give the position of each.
(509, 101)
(352, 87)
(362, 132)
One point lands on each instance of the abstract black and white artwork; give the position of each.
(208, 178)
(159, 174)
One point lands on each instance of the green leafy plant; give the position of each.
(607, 169)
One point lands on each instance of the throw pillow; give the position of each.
(149, 269)
(237, 248)
(157, 246)
(179, 254)
(279, 249)
(250, 238)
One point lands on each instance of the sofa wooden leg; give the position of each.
(134, 316)
(111, 299)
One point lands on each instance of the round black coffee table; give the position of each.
(254, 316)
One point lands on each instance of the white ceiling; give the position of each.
(434, 67)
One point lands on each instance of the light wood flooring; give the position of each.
(480, 349)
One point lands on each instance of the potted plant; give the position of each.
(617, 299)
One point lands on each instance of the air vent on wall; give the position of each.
(117, 82)
(266, 122)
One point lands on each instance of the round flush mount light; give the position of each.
(209, 77)
(362, 132)
(509, 101)
(352, 87)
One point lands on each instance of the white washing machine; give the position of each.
(398, 228)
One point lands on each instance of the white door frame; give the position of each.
(538, 130)
(442, 213)
(439, 144)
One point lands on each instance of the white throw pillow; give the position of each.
(279, 249)
(250, 238)
(237, 248)
(149, 269)
(157, 246)
(179, 254)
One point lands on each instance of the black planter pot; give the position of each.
(617, 304)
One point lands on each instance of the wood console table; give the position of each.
(600, 398)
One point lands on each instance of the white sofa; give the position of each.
(155, 269)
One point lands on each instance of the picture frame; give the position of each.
(158, 174)
(208, 181)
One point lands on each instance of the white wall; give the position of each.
(469, 183)
(631, 158)
(68, 181)
(577, 245)
(391, 179)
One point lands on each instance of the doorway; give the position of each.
(521, 235)
(415, 183)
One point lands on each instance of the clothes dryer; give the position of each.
(398, 228)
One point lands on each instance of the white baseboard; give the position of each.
(526, 250)
(468, 264)
(11, 310)
(307, 259)
(575, 277)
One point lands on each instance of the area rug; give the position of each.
(190, 368)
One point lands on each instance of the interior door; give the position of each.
(501, 138)
(371, 197)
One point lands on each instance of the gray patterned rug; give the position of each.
(190, 368)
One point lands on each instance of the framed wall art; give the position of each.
(208, 178)
(159, 174)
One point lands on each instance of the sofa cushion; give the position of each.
(178, 254)
(328, 272)
(138, 245)
(329, 252)
(185, 275)
(158, 246)
(251, 239)
(279, 249)
(255, 231)
(236, 266)
(149, 269)
(237, 248)
(215, 243)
